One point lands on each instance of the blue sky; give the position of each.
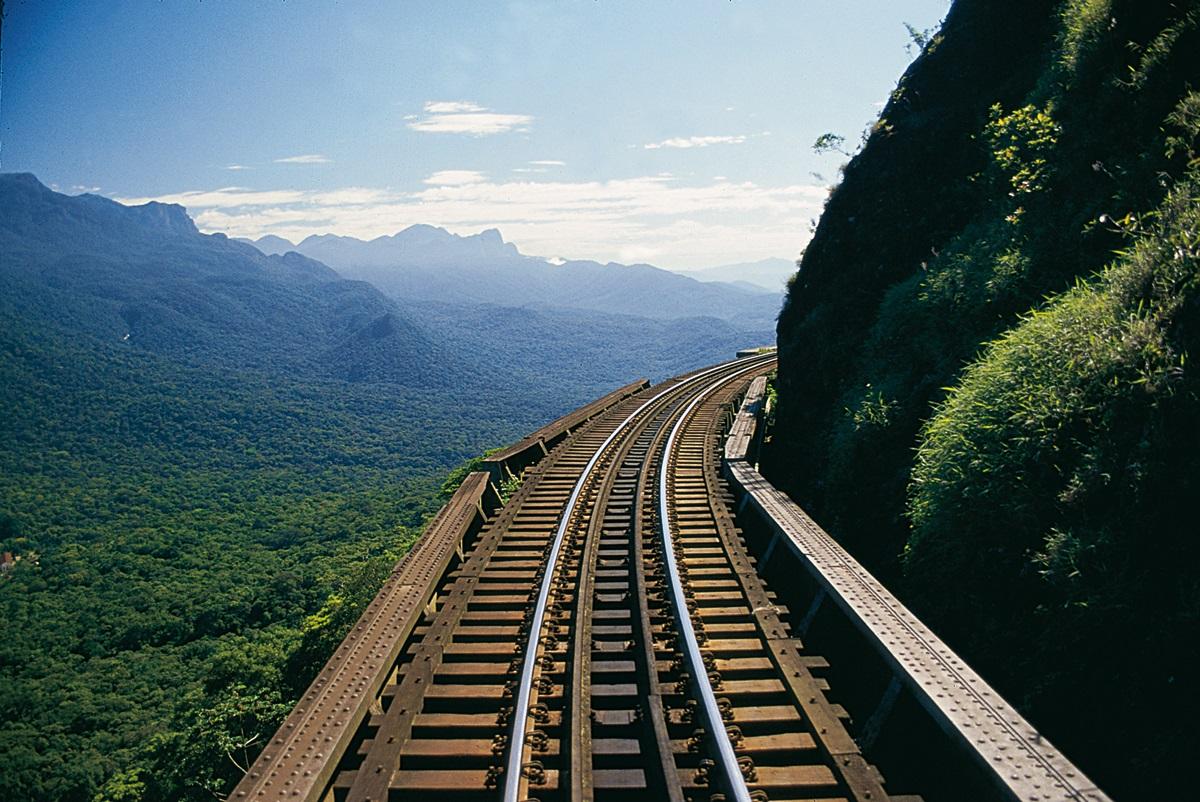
(677, 133)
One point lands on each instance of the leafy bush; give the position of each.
(1061, 474)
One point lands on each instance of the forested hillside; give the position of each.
(211, 458)
(985, 387)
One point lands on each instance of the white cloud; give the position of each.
(452, 107)
(236, 167)
(464, 117)
(696, 142)
(226, 197)
(549, 163)
(657, 218)
(307, 158)
(455, 178)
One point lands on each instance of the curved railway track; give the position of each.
(604, 636)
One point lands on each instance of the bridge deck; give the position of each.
(606, 635)
(745, 424)
(536, 444)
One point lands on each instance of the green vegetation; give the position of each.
(204, 507)
(992, 344)
(830, 142)
(203, 540)
(1061, 472)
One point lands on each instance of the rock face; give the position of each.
(904, 196)
(948, 393)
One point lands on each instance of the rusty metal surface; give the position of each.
(745, 425)
(300, 758)
(515, 785)
(1022, 762)
(731, 775)
(534, 445)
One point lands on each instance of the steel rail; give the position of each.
(517, 741)
(712, 713)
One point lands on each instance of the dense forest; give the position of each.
(191, 544)
(197, 502)
(986, 365)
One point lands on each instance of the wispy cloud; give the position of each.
(696, 142)
(455, 178)
(549, 163)
(236, 167)
(656, 218)
(452, 107)
(307, 158)
(464, 117)
(225, 197)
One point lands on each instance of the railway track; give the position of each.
(602, 635)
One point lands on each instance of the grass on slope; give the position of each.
(1063, 469)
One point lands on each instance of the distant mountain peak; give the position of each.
(24, 179)
(270, 244)
(26, 199)
(420, 228)
(170, 216)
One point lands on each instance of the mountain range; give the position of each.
(428, 263)
(769, 274)
(146, 278)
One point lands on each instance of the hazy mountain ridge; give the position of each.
(577, 342)
(429, 263)
(145, 276)
(769, 274)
